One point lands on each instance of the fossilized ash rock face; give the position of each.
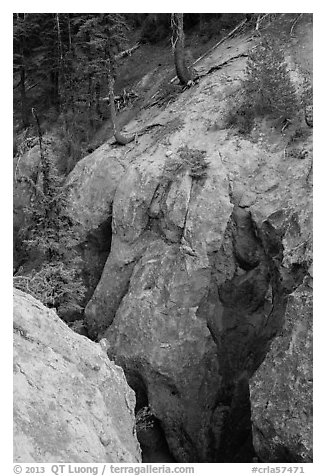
(71, 404)
(92, 185)
(281, 390)
(188, 300)
(196, 284)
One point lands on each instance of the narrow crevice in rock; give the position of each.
(94, 251)
(149, 430)
(153, 443)
(236, 436)
(250, 300)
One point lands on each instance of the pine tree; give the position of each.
(50, 238)
(268, 86)
(266, 91)
(99, 38)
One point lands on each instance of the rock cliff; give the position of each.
(208, 240)
(196, 284)
(281, 390)
(71, 404)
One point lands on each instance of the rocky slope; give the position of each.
(209, 241)
(195, 286)
(71, 404)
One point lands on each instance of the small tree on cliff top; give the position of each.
(267, 89)
(268, 83)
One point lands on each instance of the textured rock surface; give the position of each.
(186, 269)
(281, 390)
(196, 283)
(93, 184)
(161, 342)
(71, 404)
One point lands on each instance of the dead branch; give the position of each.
(127, 52)
(16, 168)
(261, 18)
(295, 22)
(257, 23)
(215, 46)
(221, 65)
(123, 140)
(173, 28)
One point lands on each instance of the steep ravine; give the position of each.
(196, 251)
(204, 274)
(202, 310)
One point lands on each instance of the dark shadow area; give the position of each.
(94, 253)
(153, 444)
(150, 435)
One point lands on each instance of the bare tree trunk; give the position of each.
(54, 92)
(90, 101)
(24, 111)
(178, 39)
(69, 32)
(22, 71)
(97, 99)
(59, 76)
(59, 37)
(44, 163)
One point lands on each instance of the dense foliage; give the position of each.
(50, 238)
(63, 66)
(60, 64)
(266, 90)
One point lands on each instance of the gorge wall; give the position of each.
(205, 296)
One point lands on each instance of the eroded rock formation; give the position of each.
(281, 390)
(192, 293)
(71, 404)
(92, 185)
(196, 284)
(203, 270)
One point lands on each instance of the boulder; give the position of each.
(281, 389)
(71, 404)
(195, 288)
(149, 206)
(157, 301)
(92, 186)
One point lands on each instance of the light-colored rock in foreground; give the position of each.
(71, 404)
(281, 390)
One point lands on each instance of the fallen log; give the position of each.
(127, 52)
